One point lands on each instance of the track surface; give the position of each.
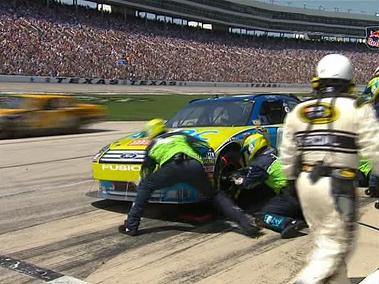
(47, 220)
(123, 89)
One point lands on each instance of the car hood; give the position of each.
(215, 136)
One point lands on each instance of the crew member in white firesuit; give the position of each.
(322, 138)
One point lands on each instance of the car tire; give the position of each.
(225, 165)
(10, 130)
(73, 125)
(4, 134)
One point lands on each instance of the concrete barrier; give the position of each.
(100, 81)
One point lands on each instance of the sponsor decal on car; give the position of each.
(319, 113)
(128, 155)
(123, 156)
(139, 142)
(129, 168)
(200, 135)
(137, 135)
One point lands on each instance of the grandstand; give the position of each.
(62, 40)
(254, 15)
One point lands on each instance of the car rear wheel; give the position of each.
(4, 134)
(73, 124)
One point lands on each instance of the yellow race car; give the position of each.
(223, 122)
(27, 114)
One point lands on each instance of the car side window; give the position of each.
(66, 103)
(51, 104)
(272, 112)
(190, 117)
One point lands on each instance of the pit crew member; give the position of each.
(281, 211)
(372, 93)
(322, 138)
(173, 158)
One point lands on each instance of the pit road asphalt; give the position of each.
(47, 220)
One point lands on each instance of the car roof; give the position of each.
(41, 96)
(235, 98)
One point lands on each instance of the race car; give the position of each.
(27, 114)
(223, 122)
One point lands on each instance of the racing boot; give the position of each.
(131, 224)
(124, 229)
(292, 229)
(232, 211)
(373, 191)
(287, 227)
(373, 188)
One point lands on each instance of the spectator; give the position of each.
(36, 40)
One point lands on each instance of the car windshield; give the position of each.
(213, 113)
(11, 103)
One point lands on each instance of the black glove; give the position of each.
(255, 175)
(148, 166)
(291, 188)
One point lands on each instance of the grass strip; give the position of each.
(141, 107)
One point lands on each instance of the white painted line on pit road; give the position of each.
(67, 280)
(67, 185)
(373, 278)
(49, 187)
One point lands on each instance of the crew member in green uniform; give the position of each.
(371, 94)
(173, 158)
(281, 211)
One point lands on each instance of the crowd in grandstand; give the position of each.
(61, 41)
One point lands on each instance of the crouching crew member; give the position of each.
(173, 158)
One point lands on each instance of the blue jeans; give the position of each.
(285, 206)
(185, 171)
(373, 181)
(373, 186)
(173, 172)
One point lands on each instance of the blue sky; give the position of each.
(368, 7)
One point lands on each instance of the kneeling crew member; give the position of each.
(282, 212)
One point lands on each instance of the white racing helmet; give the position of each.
(335, 66)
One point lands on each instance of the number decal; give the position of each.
(199, 135)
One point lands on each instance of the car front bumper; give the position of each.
(127, 191)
